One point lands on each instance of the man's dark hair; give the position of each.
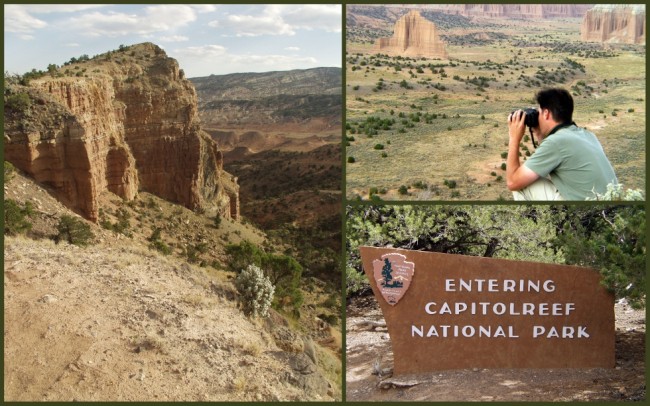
(558, 101)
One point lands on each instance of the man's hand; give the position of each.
(517, 175)
(516, 126)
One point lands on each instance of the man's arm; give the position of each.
(517, 176)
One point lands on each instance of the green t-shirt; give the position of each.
(576, 162)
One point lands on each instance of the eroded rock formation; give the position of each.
(618, 23)
(413, 36)
(516, 10)
(128, 122)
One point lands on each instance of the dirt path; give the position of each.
(365, 342)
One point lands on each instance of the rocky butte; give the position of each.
(413, 36)
(618, 23)
(124, 121)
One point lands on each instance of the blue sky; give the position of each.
(205, 39)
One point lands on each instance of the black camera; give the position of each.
(532, 117)
(531, 121)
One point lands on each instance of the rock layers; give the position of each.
(413, 36)
(126, 122)
(515, 10)
(614, 24)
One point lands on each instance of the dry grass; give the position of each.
(239, 384)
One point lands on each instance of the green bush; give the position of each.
(217, 221)
(74, 231)
(157, 243)
(10, 171)
(351, 160)
(19, 102)
(403, 190)
(451, 184)
(16, 217)
(612, 240)
(255, 291)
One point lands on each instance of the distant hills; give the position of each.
(248, 100)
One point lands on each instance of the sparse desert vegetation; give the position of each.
(440, 120)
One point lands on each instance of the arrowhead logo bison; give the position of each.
(393, 275)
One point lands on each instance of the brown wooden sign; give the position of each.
(459, 311)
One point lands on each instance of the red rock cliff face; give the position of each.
(76, 147)
(413, 36)
(130, 126)
(614, 23)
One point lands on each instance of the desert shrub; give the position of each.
(19, 102)
(157, 243)
(255, 291)
(503, 166)
(123, 224)
(16, 217)
(74, 231)
(9, 172)
(351, 160)
(243, 254)
(451, 184)
(379, 146)
(217, 221)
(612, 240)
(504, 155)
(403, 190)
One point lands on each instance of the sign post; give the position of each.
(452, 311)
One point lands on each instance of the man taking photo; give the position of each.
(568, 164)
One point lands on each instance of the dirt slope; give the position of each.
(124, 324)
(117, 321)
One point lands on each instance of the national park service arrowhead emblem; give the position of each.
(393, 275)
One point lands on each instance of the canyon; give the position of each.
(124, 121)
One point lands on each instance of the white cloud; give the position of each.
(18, 20)
(167, 17)
(292, 49)
(253, 26)
(204, 8)
(216, 59)
(205, 51)
(174, 38)
(283, 20)
(58, 8)
(72, 44)
(154, 19)
(310, 16)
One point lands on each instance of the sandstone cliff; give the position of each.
(123, 121)
(516, 10)
(614, 24)
(413, 36)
